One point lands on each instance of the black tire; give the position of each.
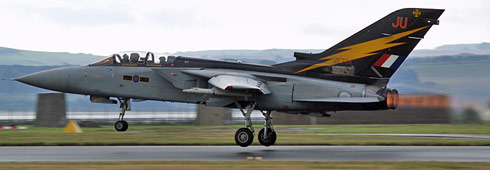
(271, 137)
(244, 137)
(121, 126)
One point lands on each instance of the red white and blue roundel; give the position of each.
(136, 78)
(390, 61)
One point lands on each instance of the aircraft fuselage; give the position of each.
(151, 84)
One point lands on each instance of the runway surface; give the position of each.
(452, 136)
(228, 153)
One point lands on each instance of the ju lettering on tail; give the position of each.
(400, 23)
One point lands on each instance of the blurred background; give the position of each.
(448, 84)
(445, 80)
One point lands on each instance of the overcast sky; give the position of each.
(109, 26)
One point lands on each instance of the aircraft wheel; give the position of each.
(244, 137)
(121, 126)
(271, 137)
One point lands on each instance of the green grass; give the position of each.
(408, 128)
(247, 165)
(224, 135)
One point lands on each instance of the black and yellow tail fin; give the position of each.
(375, 51)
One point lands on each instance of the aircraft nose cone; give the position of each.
(52, 79)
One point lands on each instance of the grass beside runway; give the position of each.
(408, 128)
(247, 165)
(224, 135)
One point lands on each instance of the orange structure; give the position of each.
(424, 100)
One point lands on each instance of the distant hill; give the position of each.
(465, 47)
(454, 49)
(464, 76)
(10, 56)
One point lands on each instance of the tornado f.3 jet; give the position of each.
(352, 75)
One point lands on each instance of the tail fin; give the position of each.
(376, 51)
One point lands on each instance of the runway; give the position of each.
(230, 153)
(451, 136)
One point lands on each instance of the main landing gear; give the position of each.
(267, 135)
(121, 125)
(244, 136)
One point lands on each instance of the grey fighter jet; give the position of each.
(352, 75)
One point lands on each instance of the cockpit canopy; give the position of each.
(134, 58)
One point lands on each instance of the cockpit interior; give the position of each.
(135, 58)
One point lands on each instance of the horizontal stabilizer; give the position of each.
(341, 100)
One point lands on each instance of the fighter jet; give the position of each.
(352, 75)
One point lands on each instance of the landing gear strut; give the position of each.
(267, 135)
(245, 136)
(121, 125)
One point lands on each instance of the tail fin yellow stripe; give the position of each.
(362, 50)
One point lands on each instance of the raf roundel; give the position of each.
(136, 78)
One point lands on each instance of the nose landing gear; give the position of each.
(121, 125)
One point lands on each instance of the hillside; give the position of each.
(464, 77)
(454, 49)
(10, 56)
